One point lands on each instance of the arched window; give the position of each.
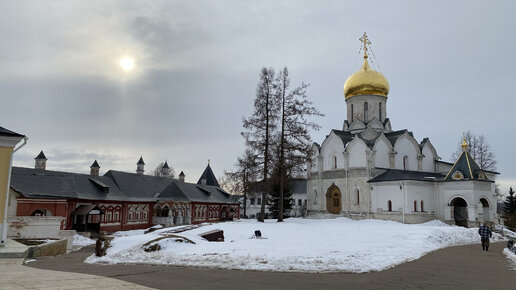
(415, 205)
(334, 161)
(351, 112)
(165, 210)
(358, 196)
(366, 111)
(389, 205)
(315, 196)
(405, 163)
(380, 111)
(422, 208)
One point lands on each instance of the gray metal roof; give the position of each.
(9, 133)
(398, 174)
(209, 177)
(41, 155)
(114, 185)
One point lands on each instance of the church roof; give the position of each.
(9, 133)
(398, 174)
(95, 164)
(141, 161)
(468, 168)
(165, 166)
(345, 136)
(209, 177)
(394, 135)
(114, 185)
(41, 155)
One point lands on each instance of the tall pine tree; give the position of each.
(294, 139)
(260, 127)
(509, 209)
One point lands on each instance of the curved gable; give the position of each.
(429, 156)
(406, 145)
(383, 147)
(331, 151)
(357, 149)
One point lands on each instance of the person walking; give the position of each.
(485, 233)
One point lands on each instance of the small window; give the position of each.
(252, 201)
(358, 196)
(305, 202)
(116, 216)
(259, 201)
(351, 113)
(299, 202)
(366, 111)
(334, 161)
(405, 163)
(457, 175)
(422, 208)
(380, 111)
(144, 215)
(415, 205)
(389, 205)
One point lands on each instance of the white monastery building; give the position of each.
(369, 170)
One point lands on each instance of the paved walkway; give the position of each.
(461, 267)
(14, 275)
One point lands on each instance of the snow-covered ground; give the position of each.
(79, 240)
(511, 256)
(313, 245)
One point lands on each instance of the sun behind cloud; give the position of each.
(127, 63)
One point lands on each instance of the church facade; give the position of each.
(369, 170)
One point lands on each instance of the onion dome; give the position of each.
(366, 81)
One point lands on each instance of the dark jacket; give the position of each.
(484, 232)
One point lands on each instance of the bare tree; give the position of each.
(164, 172)
(245, 173)
(260, 127)
(294, 138)
(479, 149)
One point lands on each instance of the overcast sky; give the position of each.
(450, 66)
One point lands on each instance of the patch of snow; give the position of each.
(511, 256)
(80, 240)
(29, 261)
(311, 245)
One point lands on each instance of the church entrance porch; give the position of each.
(333, 200)
(460, 211)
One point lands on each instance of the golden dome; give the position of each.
(366, 81)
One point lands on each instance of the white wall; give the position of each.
(357, 153)
(405, 147)
(429, 159)
(330, 148)
(381, 158)
(383, 192)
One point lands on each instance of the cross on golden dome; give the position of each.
(366, 42)
(464, 143)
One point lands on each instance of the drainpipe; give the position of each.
(4, 228)
(402, 188)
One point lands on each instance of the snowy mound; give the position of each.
(79, 240)
(313, 245)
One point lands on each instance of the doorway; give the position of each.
(460, 211)
(333, 200)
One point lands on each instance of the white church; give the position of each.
(369, 170)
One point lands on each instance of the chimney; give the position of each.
(165, 170)
(139, 166)
(182, 176)
(94, 169)
(41, 161)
